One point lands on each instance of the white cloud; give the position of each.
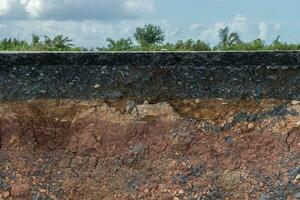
(277, 26)
(87, 22)
(195, 26)
(263, 30)
(139, 5)
(237, 24)
(34, 8)
(74, 9)
(211, 34)
(5, 7)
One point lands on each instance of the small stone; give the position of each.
(43, 91)
(97, 86)
(180, 192)
(229, 139)
(230, 119)
(185, 102)
(21, 191)
(5, 194)
(297, 195)
(130, 106)
(251, 126)
(295, 102)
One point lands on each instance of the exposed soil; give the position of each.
(182, 149)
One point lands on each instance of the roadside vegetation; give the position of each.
(148, 38)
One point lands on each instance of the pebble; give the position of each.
(185, 102)
(97, 86)
(20, 190)
(5, 194)
(251, 126)
(229, 139)
(295, 102)
(130, 106)
(297, 195)
(180, 192)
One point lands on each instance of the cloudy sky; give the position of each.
(90, 22)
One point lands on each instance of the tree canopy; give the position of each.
(149, 35)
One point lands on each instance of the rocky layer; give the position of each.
(177, 149)
(150, 76)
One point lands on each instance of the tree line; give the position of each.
(147, 38)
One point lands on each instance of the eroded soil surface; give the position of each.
(182, 149)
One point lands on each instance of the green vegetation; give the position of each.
(58, 43)
(148, 38)
(149, 35)
(228, 39)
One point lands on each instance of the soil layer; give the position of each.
(201, 149)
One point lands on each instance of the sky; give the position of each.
(90, 22)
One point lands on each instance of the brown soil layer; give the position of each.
(181, 149)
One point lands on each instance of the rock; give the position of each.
(295, 102)
(229, 139)
(197, 101)
(146, 190)
(264, 196)
(231, 179)
(5, 194)
(161, 110)
(21, 191)
(130, 106)
(185, 102)
(43, 91)
(97, 86)
(293, 173)
(251, 126)
(297, 195)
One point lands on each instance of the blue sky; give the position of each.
(90, 22)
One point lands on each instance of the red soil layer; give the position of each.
(182, 149)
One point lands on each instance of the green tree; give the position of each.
(191, 45)
(119, 45)
(149, 35)
(228, 38)
(35, 40)
(58, 43)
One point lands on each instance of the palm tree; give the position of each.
(227, 38)
(119, 45)
(59, 42)
(35, 39)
